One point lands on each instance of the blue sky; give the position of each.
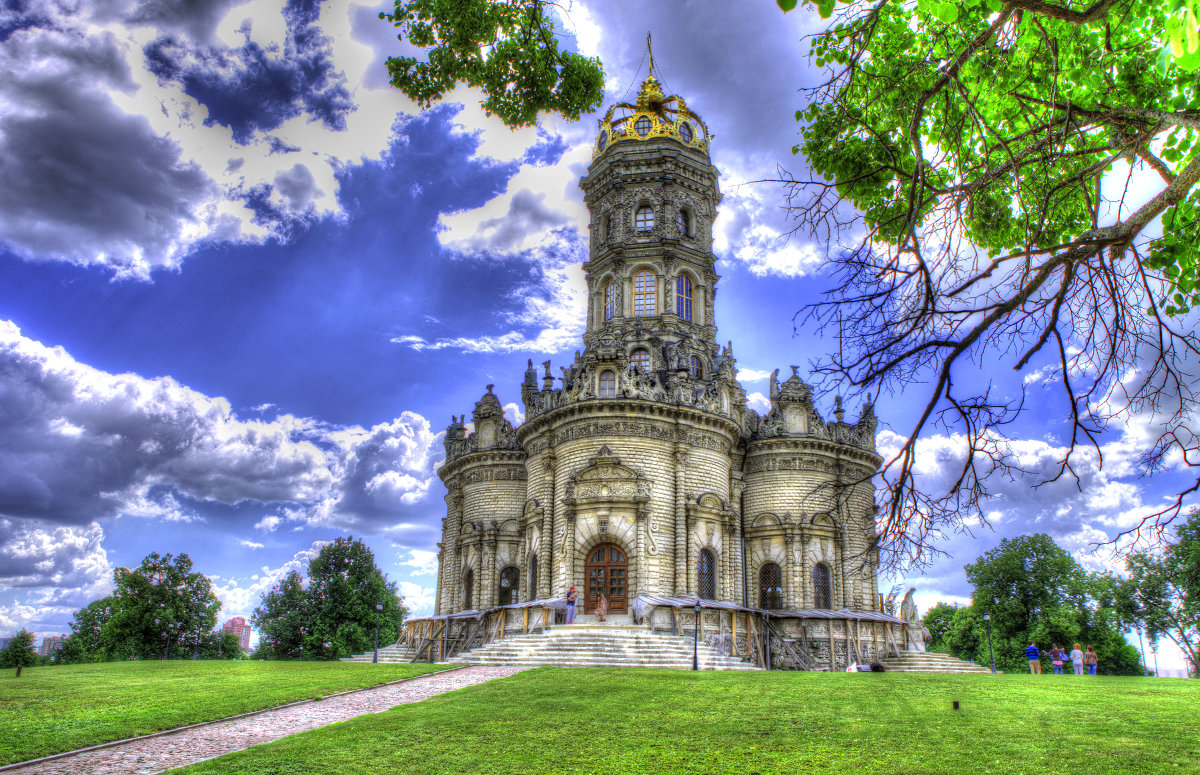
(244, 284)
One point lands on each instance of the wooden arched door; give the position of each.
(606, 570)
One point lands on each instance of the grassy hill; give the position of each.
(627, 721)
(53, 709)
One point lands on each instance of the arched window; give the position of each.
(509, 590)
(642, 126)
(770, 586)
(640, 359)
(644, 291)
(822, 587)
(697, 367)
(533, 590)
(468, 590)
(643, 219)
(608, 384)
(683, 297)
(706, 575)
(684, 221)
(685, 132)
(610, 300)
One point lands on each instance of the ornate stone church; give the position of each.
(639, 470)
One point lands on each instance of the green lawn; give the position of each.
(621, 721)
(52, 709)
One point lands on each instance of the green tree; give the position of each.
(159, 606)
(19, 651)
(343, 587)
(281, 619)
(506, 48)
(1036, 592)
(1165, 588)
(938, 621)
(332, 614)
(991, 147)
(87, 641)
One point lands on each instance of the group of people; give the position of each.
(1079, 659)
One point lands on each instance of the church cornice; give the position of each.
(623, 412)
(782, 454)
(497, 464)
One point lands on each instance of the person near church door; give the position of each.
(572, 596)
(601, 607)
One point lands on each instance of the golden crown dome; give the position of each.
(654, 116)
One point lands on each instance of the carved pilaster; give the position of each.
(569, 546)
(790, 569)
(441, 579)
(641, 525)
(681, 532)
(546, 553)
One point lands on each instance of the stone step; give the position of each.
(931, 662)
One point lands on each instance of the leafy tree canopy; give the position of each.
(506, 48)
(1164, 589)
(1036, 592)
(19, 651)
(1026, 177)
(938, 621)
(332, 613)
(158, 605)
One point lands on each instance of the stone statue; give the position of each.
(912, 619)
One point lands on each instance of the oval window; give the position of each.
(603, 141)
(642, 126)
(685, 132)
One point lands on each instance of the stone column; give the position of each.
(643, 563)
(680, 547)
(441, 579)
(569, 551)
(789, 554)
(487, 596)
(725, 590)
(805, 577)
(546, 540)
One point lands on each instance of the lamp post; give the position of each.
(696, 639)
(196, 651)
(378, 616)
(987, 620)
(1142, 643)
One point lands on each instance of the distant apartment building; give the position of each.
(4, 642)
(237, 625)
(51, 644)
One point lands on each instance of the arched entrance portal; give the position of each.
(606, 570)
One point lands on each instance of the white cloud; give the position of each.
(137, 443)
(238, 600)
(418, 599)
(758, 402)
(250, 544)
(420, 561)
(67, 558)
(752, 375)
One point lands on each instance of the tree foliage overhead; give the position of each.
(332, 613)
(507, 48)
(1019, 179)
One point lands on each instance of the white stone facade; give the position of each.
(644, 443)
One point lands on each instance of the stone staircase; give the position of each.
(595, 644)
(931, 662)
(386, 654)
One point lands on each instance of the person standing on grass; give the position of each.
(1056, 658)
(572, 596)
(1077, 659)
(1035, 662)
(1091, 660)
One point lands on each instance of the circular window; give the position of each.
(642, 126)
(685, 132)
(603, 142)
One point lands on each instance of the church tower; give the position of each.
(639, 469)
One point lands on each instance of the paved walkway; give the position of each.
(157, 754)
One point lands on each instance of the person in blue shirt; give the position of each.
(1035, 664)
